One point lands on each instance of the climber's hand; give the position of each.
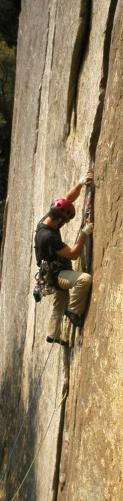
(87, 229)
(87, 179)
(89, 176)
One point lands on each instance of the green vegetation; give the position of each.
(9, 12)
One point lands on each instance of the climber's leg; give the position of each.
(60, 302)
(78, 299)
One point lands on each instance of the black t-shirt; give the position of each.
(48, 242)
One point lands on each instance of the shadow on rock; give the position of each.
(17, 435)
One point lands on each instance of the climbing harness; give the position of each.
(48, 281)
(44, 281)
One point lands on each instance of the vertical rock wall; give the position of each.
(68, 111)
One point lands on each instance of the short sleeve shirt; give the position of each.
(49, 242)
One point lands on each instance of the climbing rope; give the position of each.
(6, 471)
(42, 439)
(39, 448)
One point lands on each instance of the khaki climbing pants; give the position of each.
(73, 297)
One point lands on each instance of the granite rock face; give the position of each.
(68, 114)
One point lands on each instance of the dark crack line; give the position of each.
(3, 238)
(80, 50)
(34, 332)
(103, 84)
(75, 412)
(40, 88)
(58, 452)
(66, 362)
(53, 43)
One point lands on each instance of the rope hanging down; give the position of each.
(6, 471)
(39, 448)
(42, 439)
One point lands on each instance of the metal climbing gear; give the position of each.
(44, 281)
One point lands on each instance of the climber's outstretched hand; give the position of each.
(88, 178)
(73, 194)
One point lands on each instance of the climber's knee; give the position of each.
(88, 279)
(85, 278)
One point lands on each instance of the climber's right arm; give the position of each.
(75, 251)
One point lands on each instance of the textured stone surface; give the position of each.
(93, 449)
(68, 112)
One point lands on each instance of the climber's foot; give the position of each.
(76, 320)
(50, 339)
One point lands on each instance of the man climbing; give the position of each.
(72, 287)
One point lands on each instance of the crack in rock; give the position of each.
(103, 83)
(40, 87)
(78, 58)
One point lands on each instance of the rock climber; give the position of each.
(74, 286)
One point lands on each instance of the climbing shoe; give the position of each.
(76, 320)
(50, 339)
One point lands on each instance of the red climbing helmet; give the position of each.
(64, 208)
